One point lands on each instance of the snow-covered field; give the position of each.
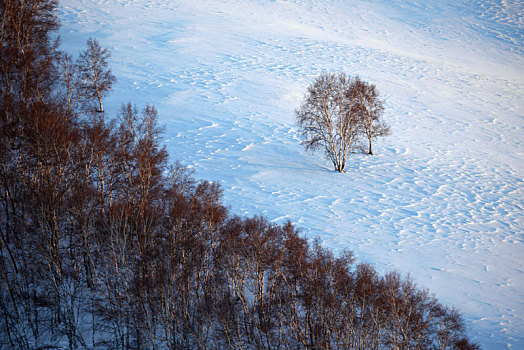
(443, 198)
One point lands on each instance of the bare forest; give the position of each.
(106, 245)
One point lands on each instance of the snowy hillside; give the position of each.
(442, 199)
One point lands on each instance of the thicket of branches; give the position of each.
(337, 112)
(105, 245)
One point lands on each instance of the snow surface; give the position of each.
(443, 198)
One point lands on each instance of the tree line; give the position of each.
(106, 245)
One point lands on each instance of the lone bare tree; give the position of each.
(371, 107)
(329, 117)
(96, 77)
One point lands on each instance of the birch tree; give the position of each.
(371, 108)
(328, 118)
(96, 77)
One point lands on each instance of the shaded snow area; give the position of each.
(442, 199)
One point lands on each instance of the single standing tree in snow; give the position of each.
(329, 117)
(371, 107)
(96, 77)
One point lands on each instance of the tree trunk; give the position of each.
(101, 108)
(370, 146)
(339, 167)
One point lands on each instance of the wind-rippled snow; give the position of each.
(443, 197)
